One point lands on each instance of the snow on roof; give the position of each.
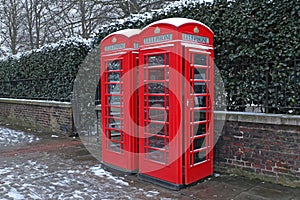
(127, 32)
(130, 21)
(177, 21)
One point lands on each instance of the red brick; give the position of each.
(281, 169)
(269, 173)
(38, 114)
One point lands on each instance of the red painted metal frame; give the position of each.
(181, 168)
(194, 170)
(119, 47)
(170, 172)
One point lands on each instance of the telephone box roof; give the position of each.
(177, 22)
(127, 33)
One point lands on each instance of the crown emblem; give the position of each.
(196, 30)
(157, 30)
(114, 40)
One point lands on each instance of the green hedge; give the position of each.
(47, 73)
(257, 44)
(257, 48)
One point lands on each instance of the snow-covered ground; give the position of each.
(38, 180)
(53, 175)
(10, 137)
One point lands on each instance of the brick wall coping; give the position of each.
(261, 118)
(37, 102)
(98, 108)
(251, 117)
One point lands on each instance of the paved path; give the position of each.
(39, 166)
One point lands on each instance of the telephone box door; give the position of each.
(198, 114)
(113, 111)
(118, 65)
(160, 146)
(119, 142)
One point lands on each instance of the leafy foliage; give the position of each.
(257, 48)
(47, 73)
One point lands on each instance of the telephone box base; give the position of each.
(159, 182)
(116, 169)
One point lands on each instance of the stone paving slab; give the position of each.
(62, 168)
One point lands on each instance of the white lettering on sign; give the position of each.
(160, 38)
(195, 38)
(114, 47)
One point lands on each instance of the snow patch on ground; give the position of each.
(54, 178)
(98, 171)
(10, 137)
(50, 176)
(13, 193)
(152, 193)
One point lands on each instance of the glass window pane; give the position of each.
(158, 101)
(114, 142)
(199, 129)
(114, 135)
(114, 123)
(158, 59)
(114, 89)
(199, 115)
(199, 74)
(199, 143)
(200, 59)
(200, 101)
(157, 88)
(114, 76)
(157, 74)
(115, 146)
(114, 65)
(156, 155)
(114, 100)
(157, 142)
(158, 115)
(198, 157)
(199, 88)
(158, 129)
(115, 112)
(155, 128)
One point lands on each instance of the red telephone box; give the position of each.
(119, 56)
(176, 103)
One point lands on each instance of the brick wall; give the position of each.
(260, 146)
(255, 145)
(49, 116)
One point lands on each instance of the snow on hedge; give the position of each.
(76, 41)
(136, 20)
(128, 22)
